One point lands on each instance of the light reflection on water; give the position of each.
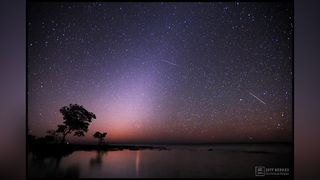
(179, 161)
(137, 163)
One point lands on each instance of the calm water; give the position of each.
(179, 161)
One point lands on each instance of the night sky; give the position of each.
(163, 72)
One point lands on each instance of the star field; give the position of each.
(164, 72)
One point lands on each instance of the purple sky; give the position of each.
(163, 72)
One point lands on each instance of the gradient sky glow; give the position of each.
(163, 72)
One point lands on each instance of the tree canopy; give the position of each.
(76, 119)
(100, 136)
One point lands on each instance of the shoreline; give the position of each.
(66, 149)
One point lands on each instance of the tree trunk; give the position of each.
(64, 136)
(63, 139)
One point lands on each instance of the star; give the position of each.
(188, 72)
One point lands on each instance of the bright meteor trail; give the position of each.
(163, 72)
(169, 63)
(256, 97)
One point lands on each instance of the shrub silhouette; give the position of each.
(54, 134)
(76, 119)
(100, 136)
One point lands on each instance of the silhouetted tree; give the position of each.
(53, 133)
(76, 119)
(100, 136)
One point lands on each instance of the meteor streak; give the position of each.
(171, 63)
(256, 97)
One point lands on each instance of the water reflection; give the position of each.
(137, 163)
(50, 166)
(218, 162)
(96, 162)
